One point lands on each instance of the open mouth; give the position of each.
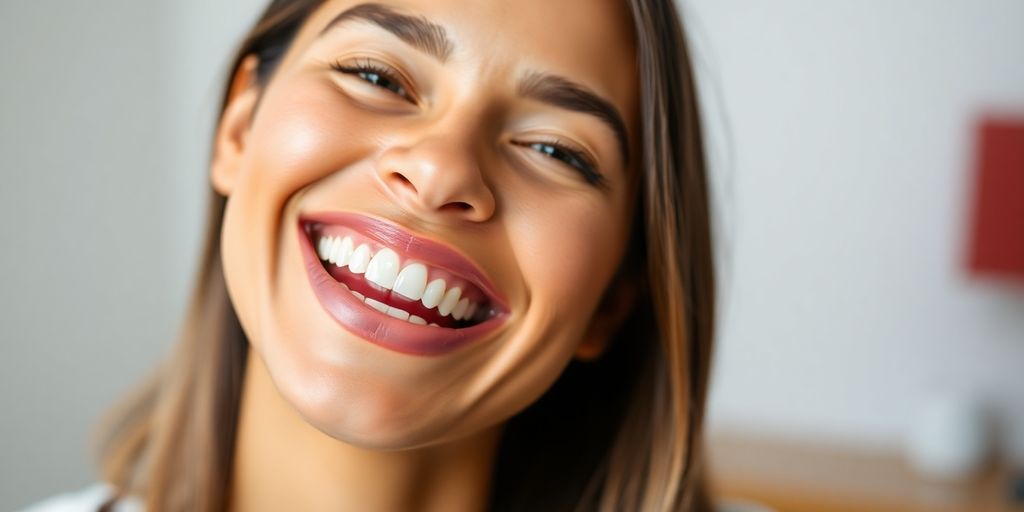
(409, 290)
(396, 289)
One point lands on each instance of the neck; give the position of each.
(283, 463)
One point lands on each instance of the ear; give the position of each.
(615, 307)
(233, 128)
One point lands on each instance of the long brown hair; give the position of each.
(619, 433)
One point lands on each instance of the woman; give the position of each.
(458, 258)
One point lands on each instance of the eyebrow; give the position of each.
(417, 31)
(432, 39)
(564, 93)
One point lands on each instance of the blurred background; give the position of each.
(862, 337)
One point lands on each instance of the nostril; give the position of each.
(401, 181)
(457, 207)
(434, 192)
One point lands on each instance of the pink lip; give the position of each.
(379, 328)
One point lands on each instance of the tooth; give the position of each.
(434, 293)
(321, 247)
(329, 247)
(451, 298)
(344, 252)
(460, 309)
(398, 313)
(357, 294)
(332, 249)
(471, 312)
(360, 258)
(376, 304)
(417, 320)
(383, 268)
(411, 281)
(434, 325)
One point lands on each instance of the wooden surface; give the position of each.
(792, 477)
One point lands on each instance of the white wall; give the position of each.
(82, 220)
(847, 151)
(201, 37)
(105, 111)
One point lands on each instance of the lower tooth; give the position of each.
(388, 310)
(376, 304)
(398, 313)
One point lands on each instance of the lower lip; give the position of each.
(379, 328)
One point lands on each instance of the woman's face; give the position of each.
(452, 162)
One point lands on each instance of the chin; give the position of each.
(363, 410)
(369, 425)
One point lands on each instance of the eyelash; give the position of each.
(568, 156)
(552, 149)
(364, 68)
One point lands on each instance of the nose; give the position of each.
(438, 178)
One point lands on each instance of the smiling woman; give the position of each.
(458, 258)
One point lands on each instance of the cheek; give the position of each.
(298, 139)
(292, 143)
(569, 250)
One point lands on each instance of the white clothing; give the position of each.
(88, 499)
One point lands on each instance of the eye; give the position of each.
(570, 157)
(376, 75)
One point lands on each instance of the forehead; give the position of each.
(588, 41)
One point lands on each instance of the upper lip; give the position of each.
(413, 246)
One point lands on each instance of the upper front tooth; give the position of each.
(332, 249)
(434, 293)
(451, 298)
(360, 259)
(344, 252)
(383, 268)
(411, 281)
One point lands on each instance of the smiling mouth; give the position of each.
(401, 291)
(401, 287)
